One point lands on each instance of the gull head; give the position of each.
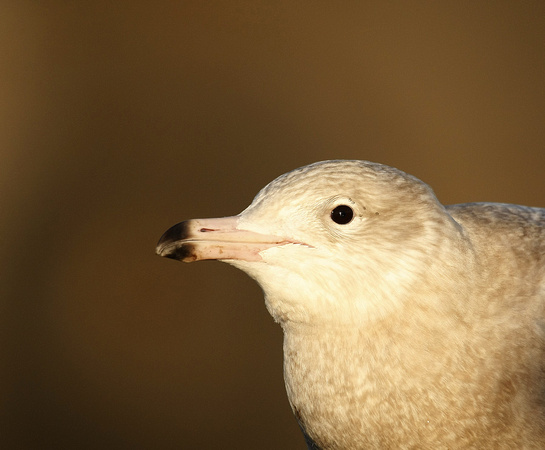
(333, 242)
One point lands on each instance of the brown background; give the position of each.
(119, 119)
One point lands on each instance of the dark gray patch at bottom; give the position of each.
(311, 445)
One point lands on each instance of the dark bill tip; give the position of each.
(180, 252)
(170, 245)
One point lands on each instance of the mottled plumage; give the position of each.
(410, 325)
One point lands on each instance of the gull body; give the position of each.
(406, 323)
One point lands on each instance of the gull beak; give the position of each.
(200, 239)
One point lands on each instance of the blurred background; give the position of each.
(120, 119)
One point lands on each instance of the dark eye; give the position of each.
(342, 214)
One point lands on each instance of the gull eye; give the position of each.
(342, 214)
